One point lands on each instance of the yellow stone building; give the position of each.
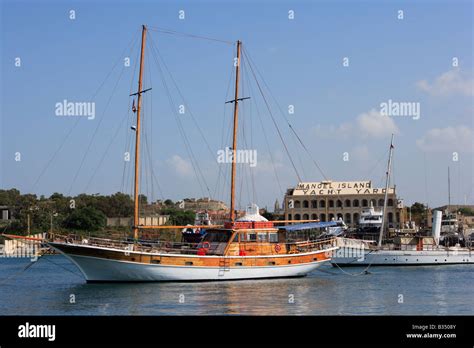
(327, 200)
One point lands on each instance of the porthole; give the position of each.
(188, 263)
(289, 261)
(238, 263)
(271, 263)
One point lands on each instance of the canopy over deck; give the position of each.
(308, 226)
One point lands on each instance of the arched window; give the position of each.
(331, 217)
(305, 217)
(314, 204)
(289, 217)
(356, 218)
(339, 216)
(305, 204)
(322, 217)
(331, 203)
(347, 218)
(297, 217)
(347, 203)
(390, 217)
(339, 203)
(355, 203)
(390, 202)
(380, 202)
(365, 203)
(322, 203)
(297, 204)
(373, 202)
(314, 216)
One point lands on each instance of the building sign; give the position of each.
(325, 188)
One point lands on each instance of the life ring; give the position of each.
(277, 248)
(328, 254)
(206, 245)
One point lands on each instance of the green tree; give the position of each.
(418, 208)
(86, 218)
(466, 211)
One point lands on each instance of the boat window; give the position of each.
(251, 237)
(236, 238)
(273, 237)
(262, 236)
(217, 236)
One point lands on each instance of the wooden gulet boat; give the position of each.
(247, 248)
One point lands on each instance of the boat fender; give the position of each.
(201, 251)
(206, 245)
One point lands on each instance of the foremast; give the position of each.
(137, 137)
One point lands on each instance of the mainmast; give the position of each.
(137, 136)
(387, 183)
(234, 142)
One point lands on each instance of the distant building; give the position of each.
(199, 204)
(153, 220)
(454, 207)
(328, 200)
(464, 221)
(5, 213)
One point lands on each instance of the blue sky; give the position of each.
(336, 107)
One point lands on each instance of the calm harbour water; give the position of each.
(46, 288)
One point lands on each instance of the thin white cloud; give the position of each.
(368, 124)
(181, 166)
(361, 153)
(459, 138)
(448, 83)
(374, 124)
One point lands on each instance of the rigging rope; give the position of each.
(188, 147)
(173, 32)
(273, 119)
(185, 103)
(95, 131)
(283, 114)
(63, 142)
(264, 132)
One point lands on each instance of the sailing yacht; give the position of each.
(247, 248)
(402, 250)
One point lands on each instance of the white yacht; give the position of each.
(404, 251)
(370, 218)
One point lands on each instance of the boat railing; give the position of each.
(128, 245)
(291, 247)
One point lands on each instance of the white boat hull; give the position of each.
(103, 270)
(347, 256)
